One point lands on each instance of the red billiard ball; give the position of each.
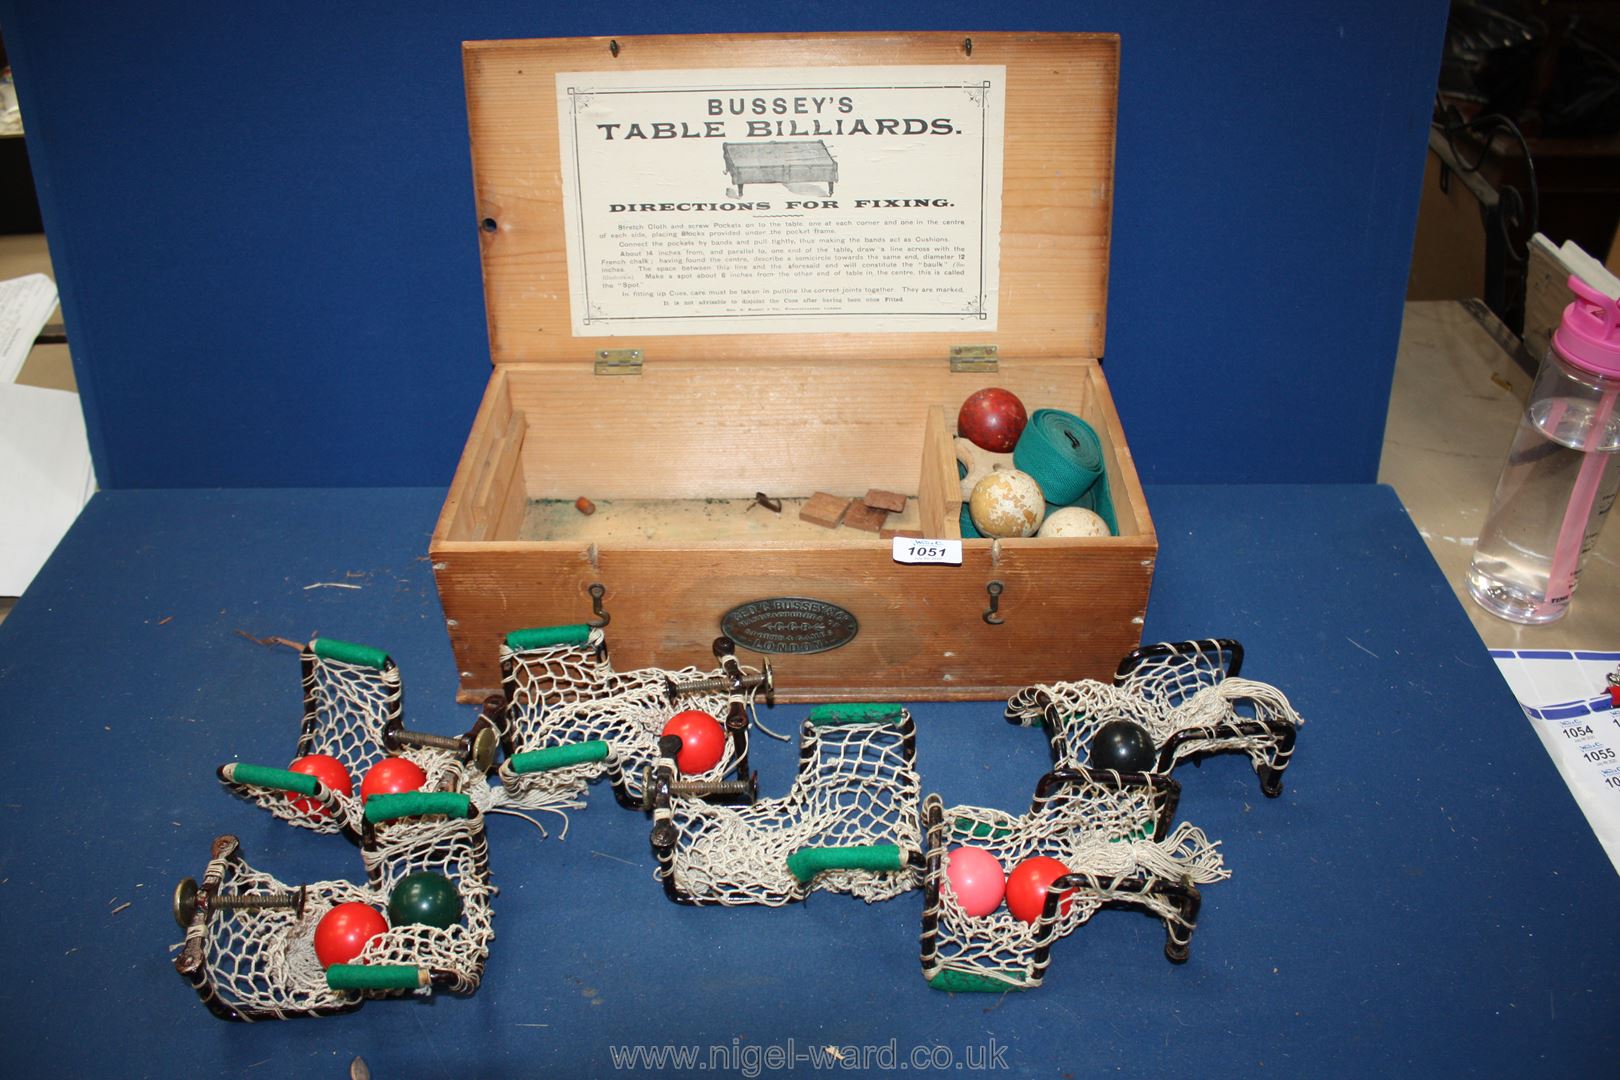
(1028, 884)
(703, 741)
(329, 771)
(343, 932)
(392, 776)
(992, 419)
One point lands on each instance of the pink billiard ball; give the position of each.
(976, 878)
(992, 419)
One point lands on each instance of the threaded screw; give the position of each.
(189, 897)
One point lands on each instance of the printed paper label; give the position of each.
(943, 552)
(782, 200)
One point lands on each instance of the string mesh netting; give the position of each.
(260, 964)
(255, 964)
(1111, 835)
(352, 694)
(347, 706)
(1185, 701)
(856, 788)
(568, 695)
(456, 849)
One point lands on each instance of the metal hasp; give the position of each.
(990, 616)
(597, 591)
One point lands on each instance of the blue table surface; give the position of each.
(1424, 896)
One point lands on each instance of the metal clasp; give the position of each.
(990, 616)
(597, 591)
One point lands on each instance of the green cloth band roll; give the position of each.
(558, 757)
(347, 652)
(970, 531)
(854, 713)
(807, 862)
(544, 637)
(958, 982)
(380, 808)
(375, 977)
(264, 776)
(1063, 454)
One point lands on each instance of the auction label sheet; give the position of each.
(858, 199)
(1566, 695)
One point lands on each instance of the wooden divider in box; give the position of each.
(713, 418)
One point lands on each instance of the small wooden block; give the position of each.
(909, 534)
(878, 499)
(866, 518)
(824, 510)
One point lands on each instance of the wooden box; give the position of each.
(671, 429)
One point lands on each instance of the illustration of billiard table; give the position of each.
(780, 163)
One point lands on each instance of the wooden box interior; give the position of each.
(690, 431)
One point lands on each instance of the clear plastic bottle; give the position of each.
(1562, 471)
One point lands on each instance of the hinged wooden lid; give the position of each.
(1057, 179)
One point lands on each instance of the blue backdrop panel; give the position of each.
(262, 222)
(1424, 898)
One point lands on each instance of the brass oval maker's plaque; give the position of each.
(789, 624)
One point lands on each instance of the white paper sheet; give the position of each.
(45, 477)
(1565, 693)
(25, 305)
(783, 200)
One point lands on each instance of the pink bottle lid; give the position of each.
(1589, 335)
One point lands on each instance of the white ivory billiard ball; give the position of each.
(1074, 521)
(1007, 503)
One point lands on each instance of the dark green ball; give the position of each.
(424, 898)
(1123, 746)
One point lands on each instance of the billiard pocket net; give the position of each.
(259, 963)
(570, 719)
(1113, 834)
(440, 833)
(1185, 695)
(849, 824)
(352, 698)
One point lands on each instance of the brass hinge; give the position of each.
(973, 358)
(618, 361)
